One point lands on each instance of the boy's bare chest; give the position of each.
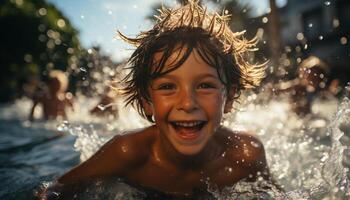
(163, 177)
(166, 179)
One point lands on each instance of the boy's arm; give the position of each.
(114, 159)
(254, 153)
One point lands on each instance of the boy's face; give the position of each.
(187, 103)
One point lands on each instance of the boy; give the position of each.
(55, 100)
(185, 73)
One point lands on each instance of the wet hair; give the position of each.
(187, 28)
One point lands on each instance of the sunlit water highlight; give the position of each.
(305, 155)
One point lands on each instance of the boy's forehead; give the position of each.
(174, 56)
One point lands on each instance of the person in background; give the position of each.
(107, 105)
(311, 81)
(55, 99)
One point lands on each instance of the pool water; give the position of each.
(31, 155)
(305, 155)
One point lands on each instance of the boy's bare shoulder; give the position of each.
(245, 149)
(134, 145)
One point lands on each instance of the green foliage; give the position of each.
(35, 37)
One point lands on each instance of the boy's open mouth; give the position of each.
(188, 129)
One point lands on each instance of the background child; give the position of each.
(107, 105)
(55, 99)
(185, 74)
(311, 81)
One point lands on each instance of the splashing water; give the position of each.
(305, 156)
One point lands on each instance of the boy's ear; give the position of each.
(147, 107)
(230, 99)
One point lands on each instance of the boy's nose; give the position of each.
(188, 102)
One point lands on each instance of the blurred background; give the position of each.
(63, 53)
(79, 37)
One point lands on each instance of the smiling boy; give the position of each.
(185, 74)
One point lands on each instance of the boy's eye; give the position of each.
(166, 86)
(206, 86)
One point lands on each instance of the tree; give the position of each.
(35, 37)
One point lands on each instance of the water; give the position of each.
(305, 155)
(29, 156)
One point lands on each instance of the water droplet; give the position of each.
(324, 158)
(63, 126)
(327, 3)
(229, 169)
(61, 23)
(320, 37)
(82, 69)
(343, 40)
(42, 11)
(265, 20)
(336, 23)
(300, 36)
(255, 144)
(101, 107)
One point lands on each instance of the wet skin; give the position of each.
(138, 159)
(186, 148)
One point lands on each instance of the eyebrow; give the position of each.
(201, 76)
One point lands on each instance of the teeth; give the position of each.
(188, 124)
